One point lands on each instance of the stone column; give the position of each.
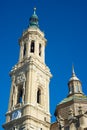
(27, 48)
(72, 126)
(23, 96)
(36, 48)
(47, 95)
(43, 52)
(60, 121)
(28, 85)
(11, 93)
(21, 51)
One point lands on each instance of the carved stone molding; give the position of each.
(40, 79)
(20, 78)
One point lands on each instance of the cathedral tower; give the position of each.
(29, 96)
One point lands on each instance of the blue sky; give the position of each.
(64, 23)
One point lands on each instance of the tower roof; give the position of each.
(34, 19)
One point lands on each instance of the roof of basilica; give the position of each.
(73, 98)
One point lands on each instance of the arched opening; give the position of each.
(24, 52)
(40, 49)
(20, 95)
(77, 89)
(12, 102)
(32, 48)
(39, 96)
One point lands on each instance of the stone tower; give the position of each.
(71, 112)
(28, 107)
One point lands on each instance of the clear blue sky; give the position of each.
(64, 23)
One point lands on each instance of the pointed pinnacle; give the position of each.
(34, 10)
(73, 72)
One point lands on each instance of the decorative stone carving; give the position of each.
(20, 78)
(60, 122)
(40, 78)
(26, 40)
(80, 110)
(14, 95)
(23, 94)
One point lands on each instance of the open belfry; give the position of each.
(29, 107)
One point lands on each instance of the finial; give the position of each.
(34, 19)
(34, 10)
(73, 72)
(73, 69)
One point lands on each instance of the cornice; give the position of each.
(26, 63)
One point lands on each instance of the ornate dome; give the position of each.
(34, 19)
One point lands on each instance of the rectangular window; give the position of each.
(24, 53)
(39, 96)
(32, 47)
(20, 94)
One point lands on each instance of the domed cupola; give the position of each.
(34, 19)
(74, 84)
(74, 77)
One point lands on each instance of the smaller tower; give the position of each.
(74, 84)
(73, 108)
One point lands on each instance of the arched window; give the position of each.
(77, 89)
(70, 89)
(20, 94)
(39, 96)
(32, 47)
(39, 49)
(24, 52)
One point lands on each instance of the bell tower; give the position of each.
(28, 107)
(74, 84)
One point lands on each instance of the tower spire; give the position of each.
(73, 71)
(34, 10)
